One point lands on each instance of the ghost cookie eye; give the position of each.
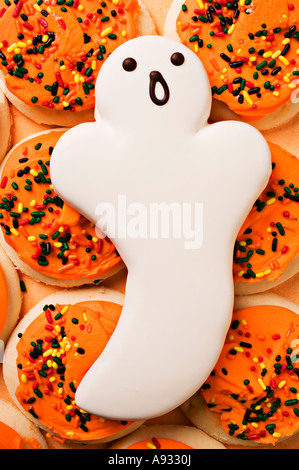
(177, 59)
(129, 64)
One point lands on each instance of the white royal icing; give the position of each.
(178, 300)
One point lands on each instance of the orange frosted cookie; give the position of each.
(253, 391)
(49, 353)
(267, 247)
(16, 431)
(5, 125)
(250, 51)
(52, 51)
(161, 437)
(44, 237)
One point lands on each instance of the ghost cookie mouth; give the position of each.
(157, 77)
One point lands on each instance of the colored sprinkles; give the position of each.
(255, 388)
(265, 61)
(40, 67)
(38, 225)
(46, 364)
(268, 240)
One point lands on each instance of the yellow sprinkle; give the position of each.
(94, 65)
(292, 86)
(151, 446)
(77, 78)
(64, 310)
(45, 38)
(33, 173)
(267, 272)
(269, 230)
(57, 244)
(255, 359)
(260, 381)
(31, 239)
(85, 316)
(48, 353)
(286, 41)
(82, 79)
(57, 328)
(54, 365)
(63, 67)
(252, 59)
(80, 7)
(61, 229)
(106, 32)
(283, 60)
(115, 2)
(258, 407)
(22, 44)
(242, 243)
(37, 7)
(60, 391)
(52, 379)
(14, 232)
(237, 348)
(76, 345)
(23, 378)
(70, 433)
(276, 93)
(29, 42)
(262, 365)
(12, 47)
(104, 41)
(124, 34)
(196, 48)
(267, 54)
(20, 208)
(271, 201)
(247, 98)
(254, 425)
(231, 29)
(276, 434)
(260, 275)
(242, 3)
(281, 384)
(69, 407)
(1, 45)
(65, 104)
(200, 4)
(244, 322)
(286, 79)
(240, 273)
(276, 54)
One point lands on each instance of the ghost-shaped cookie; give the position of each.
(171, 192)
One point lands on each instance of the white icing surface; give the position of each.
(178, 302)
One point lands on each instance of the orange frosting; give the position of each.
(52, 51)
(249, 49)
(159, 443)
(3, 300)
(269, 238)
(9, 439)
(254, 387)
(54, 353)
(47, 234)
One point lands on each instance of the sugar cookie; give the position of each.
(151, 146)
(48, 354)
(162, 437)
(252, 395)
(51, 53)
(267, 246)
(251, 57)
(45, 238)
(16, 431)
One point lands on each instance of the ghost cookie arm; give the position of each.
(239, 158)
(76, 156)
